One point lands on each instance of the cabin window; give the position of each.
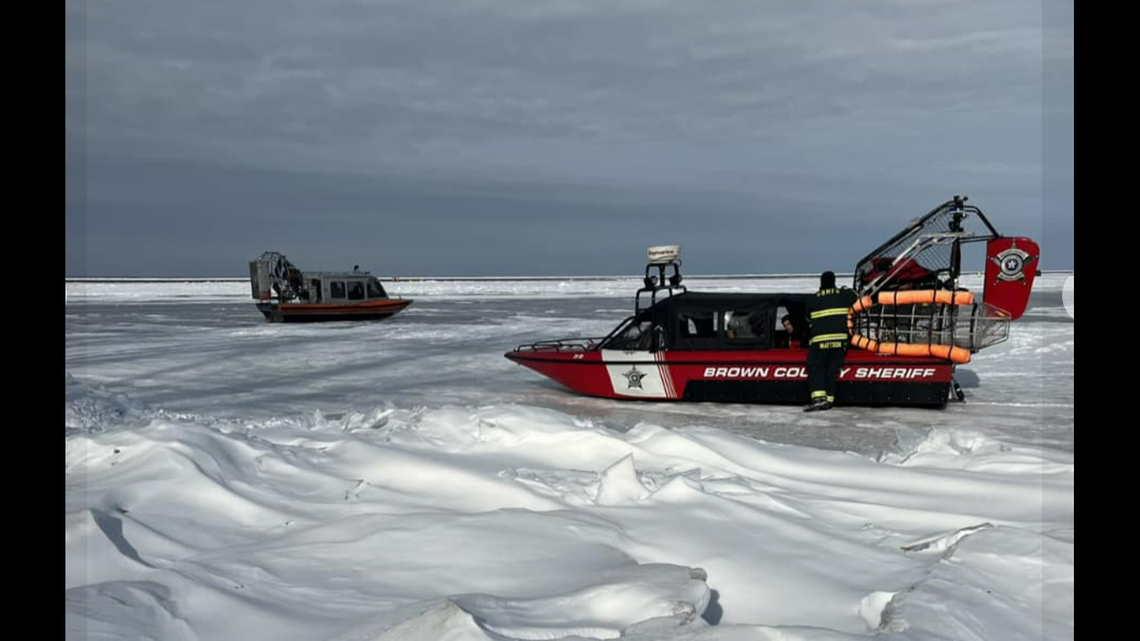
(698, 324)
(355, 290)
(376, 290)
(798, 338)
(746, 325)
(315, 288)
(697, 328)
(336, 289)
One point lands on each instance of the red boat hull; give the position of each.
(757, 376)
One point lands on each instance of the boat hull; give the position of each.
(325, 312)
(741, 376)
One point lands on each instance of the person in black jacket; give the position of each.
(827, 314)
(793, 337)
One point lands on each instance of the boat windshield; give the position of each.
(636, 335)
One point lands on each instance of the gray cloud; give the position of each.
(756, 126)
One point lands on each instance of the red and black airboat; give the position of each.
(911, 327)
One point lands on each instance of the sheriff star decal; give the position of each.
(634, 377)
(1012, 264)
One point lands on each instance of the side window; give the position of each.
(698, 324)
(336, 289)
(747, 325)
(355, 290)
(737, 325)
(376, 290)
(780, 314)
(794, 332)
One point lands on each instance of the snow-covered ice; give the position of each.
(232, 479)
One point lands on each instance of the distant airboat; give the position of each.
(286, 294)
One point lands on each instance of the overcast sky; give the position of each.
(556, 137)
